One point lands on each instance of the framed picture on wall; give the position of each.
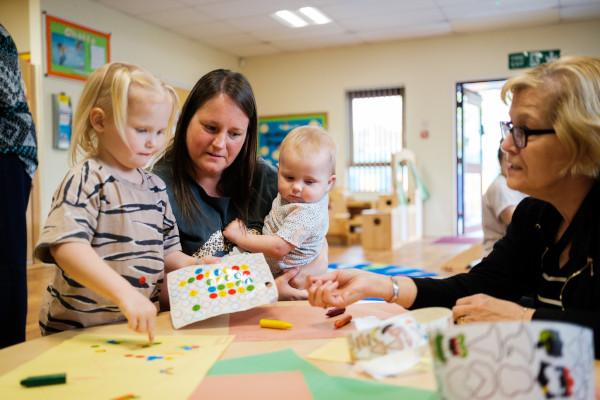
(74, 51)
(272, 130)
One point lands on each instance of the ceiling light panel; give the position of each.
(289, 18)
(315, 15)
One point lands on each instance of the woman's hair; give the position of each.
(108, 88)
(236, 180)
(307, 141)
(573, 87)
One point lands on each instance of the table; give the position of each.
(14, 356)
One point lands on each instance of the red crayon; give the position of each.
(335, 311)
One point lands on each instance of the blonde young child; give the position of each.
(110, 229)
(294, 231)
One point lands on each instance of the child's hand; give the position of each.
(140, 313)
(235, 231)
(208, 260)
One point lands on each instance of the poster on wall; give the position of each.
(74, 51)
(62, 121)
(273, 129)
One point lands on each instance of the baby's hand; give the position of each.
(235, 231)
(140, 313)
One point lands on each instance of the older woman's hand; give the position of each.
(481, 307)
(287, 291)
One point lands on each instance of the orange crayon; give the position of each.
(342, 321)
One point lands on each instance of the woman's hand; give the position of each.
(343, 287)
(287, 291)
(481, 307)
(235, 231)
(139, 311)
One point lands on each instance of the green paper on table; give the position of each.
(321, 385)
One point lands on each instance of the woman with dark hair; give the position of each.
(212, 172)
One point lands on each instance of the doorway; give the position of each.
(479, 111)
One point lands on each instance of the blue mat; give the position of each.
(390, 270)
(383, 269)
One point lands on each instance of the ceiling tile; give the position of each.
(136, 7)
(419, 30)
(207, 30)
(505, 20)
(175, 17)
(377, 22)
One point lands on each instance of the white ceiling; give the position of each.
(244, 27)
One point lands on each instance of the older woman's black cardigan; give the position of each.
(514, 268)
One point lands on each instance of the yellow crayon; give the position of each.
(274, 324)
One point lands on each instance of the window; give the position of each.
(376, 129)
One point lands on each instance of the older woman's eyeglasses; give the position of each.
(521, 133)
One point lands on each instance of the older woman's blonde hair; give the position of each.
(573, 84)
(108, 88)
(309, 140)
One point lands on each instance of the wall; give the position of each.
(14, 15)
(175, 59)
(428, 69)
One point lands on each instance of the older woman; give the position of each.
(211, 169)
(551, 250)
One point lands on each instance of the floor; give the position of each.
(425, 254)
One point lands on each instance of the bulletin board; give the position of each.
(74, 51)
(273, 129)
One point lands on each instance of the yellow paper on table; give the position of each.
(336, 350)
(105, 367)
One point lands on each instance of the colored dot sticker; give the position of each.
(244, 267)
(250, 288)
(241, 290)
(198, 270)
(191, 280)
(246, 273)
(142, 280)
(196, 307)
(212, 289)
(222, 293)
(193, 293)
(221, 287)
(100, 351)
(231, 291)
(229, 285)
(213, 296)
(181, 283)
(199, 277)
(235, 267)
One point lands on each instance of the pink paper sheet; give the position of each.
(265, 386)
(308, 322)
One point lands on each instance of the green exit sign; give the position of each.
(527, 59)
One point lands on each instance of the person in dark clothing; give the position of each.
(552, 246)
(18, 162)
(212, 171)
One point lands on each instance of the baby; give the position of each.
(294, 231)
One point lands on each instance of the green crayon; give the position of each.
(43, 380)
